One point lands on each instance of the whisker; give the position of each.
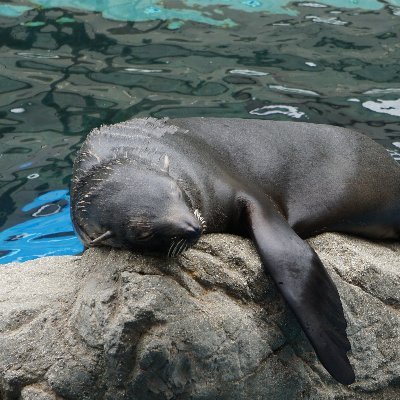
(175, 252)
(185, 247)
(171, 249)
(176, 248)
(102, 237)
(182, 247)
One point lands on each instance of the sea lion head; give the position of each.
(137, 207)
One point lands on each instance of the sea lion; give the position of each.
(157, 185)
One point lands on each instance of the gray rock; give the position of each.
(114, 325)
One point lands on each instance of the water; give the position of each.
(66, 70)
(48, 233)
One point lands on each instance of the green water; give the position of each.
(66, 70)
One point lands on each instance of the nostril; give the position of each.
(184, 226)
(193, 232)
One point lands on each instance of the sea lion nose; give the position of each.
(188, 229)
(192, 232)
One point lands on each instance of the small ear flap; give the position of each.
(165, 166)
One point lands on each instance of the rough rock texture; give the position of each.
(208, 325)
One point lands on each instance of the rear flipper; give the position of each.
(305, 285)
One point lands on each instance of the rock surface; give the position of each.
(113, 325)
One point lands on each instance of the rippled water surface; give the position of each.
(66, 70)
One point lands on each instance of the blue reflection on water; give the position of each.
(48, 233)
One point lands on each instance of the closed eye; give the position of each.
(144, 236)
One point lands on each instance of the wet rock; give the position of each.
(114, 325)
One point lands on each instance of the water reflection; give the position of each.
(391, 107)
(289, 111)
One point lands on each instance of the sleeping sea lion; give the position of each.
(156, 185)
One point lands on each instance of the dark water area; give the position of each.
(64, 72)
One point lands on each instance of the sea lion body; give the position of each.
(150, 184)
(322, 177)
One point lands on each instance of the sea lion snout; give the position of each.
(190, 231)
(193, 232)
(185, 226)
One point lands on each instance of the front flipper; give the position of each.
(305, 285)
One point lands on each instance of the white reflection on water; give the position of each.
(143, 71)
(19, 110)
(395, 154)
(248, 72)
(37, 55)
(314, 5)
(311, 64)
(290, 111)
(383, 91)
(286, 89)
(391, 107)
(329, 21)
